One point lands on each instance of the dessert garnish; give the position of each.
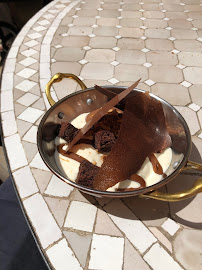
(105, 91)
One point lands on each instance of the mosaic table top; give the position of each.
(110, 42)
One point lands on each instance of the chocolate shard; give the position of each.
(86, 174)
(104, 140)
(49, 131)
(143, 131)
(67, 131)
(105, 91)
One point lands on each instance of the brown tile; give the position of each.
(181, 24)
(196, 15)
(188, 45)
(193, 75)
(36, 90)
(175, 94)
(95, 71)
(17, 94)
(22, 127)
(106, 31)
(183, 34)
(18, 109)
(65, 88)
(162, 58)
(108, 21)
(75, 41)
(196, 94)
(155, 23)
(157, 33)
(159, 44)
(132, 257)
(30, 150)
(109, 13)
(125, 72)
(190, 58)
(130, 57)
(131, 14)
(173, 7)
(165, 74)
(84, 21)
(100, 55)
(151, 7)
(188, 248)
(90, 13)
(130, 44)
(197, 24)
(133, 7)
(190, 117)
(80, 30)
(103, 43)
(153, 14)
(131, 32)
(131, 22)
(131, 1)
(176, 15)
(70, 54)
(110, 6)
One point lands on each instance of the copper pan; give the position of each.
(90, 99)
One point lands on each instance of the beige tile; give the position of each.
(152, 1)
(95, 71)
(70, 54)
(100, 55)
(157, 33)
(171, 1)
(131, 32)
(188, 45)
(196, 15)
(199, 113)
(109, 13)
(181, 24)
(130, 1)
(91, 5)
(91, 83)
(131, 22)
(196, 94)
(193, 75)
(84, 21)
(155, 23)
(106, 31)
(103, 43)
(162, 58)
(61, 29)
(131, 14)
(66, 20)
(165, 74)
(75, 41)
(197, 24)
(193, 2)
(80, 31)
(161, 237)
(183, 34)
(65, 88)
(199, 32)
(159, 44)
(132, 73)
(130, 57)
(190, 58)
(110, 6)
(151, 7)
(130, 44)
(108, 21)
(141, 86)
(30, 150)
(173, 7)
(153, 14)
(194, 7)
(133, 7)
(175, 94)
(190, 117)
(176, 15)
(90, 13)
(188, 248)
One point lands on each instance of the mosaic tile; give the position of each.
(9, 66)
(6, 101)
(103, 249)
(30, 115)
(194, 107)
(17, 94)
(134, 72)
(61, 256)
(130, 57)
(27, 99)
(161, 238)
(42, 178)
(38, 163)
(12, 52)
(7, 82)
(8, 123)
(100, 55)
(39, 104)
(81, 216)
(30, 136)
(22, 126)
(170, 226)
(18, 108)
(58, 188)
(26, 73)
(30, 150)
(80, 245)
(25, 182)
(94, 71)
(29, 52)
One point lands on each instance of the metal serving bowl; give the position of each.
(90, 99)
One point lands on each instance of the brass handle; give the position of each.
(178, 196)
(57, 78)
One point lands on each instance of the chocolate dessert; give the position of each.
(104, 140)
(67, 132)
(86, 174)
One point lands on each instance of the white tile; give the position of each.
(175, 51)
(86, 48)
(38, 163)
(172, 38)
(180, 66)
(189, 19)
(142, 18)
(58, 46)
(43, 83)
(194, 107)
(114, 63)
(48, 16)
(170, 226)
(31, 43)
(166, 19)
(18, 41)
(45, 49)
(60, 6)
(142, 10)
(51, 31)
(26, 73)
(53, 94)
(163, 10)
(94, 26)
(200, 135)
(53, 11)
(120, 17)
(91, 35)
(9, 65)
(143, 37)
(159, 259)
(15, 152)
(113, 80)
(30, 115)
(169, 28)
(25, 182)
(81, 216)
(53, 60)
(116, 49)
(118, 36)
(143, 27)
(149, 82)
(58, 187)
(45, 70)
(7, 81)
(28, 61)
(147, 65)
(106, 252)
(8, 123)
(99, 9)
(13, 52)
(56, 22)
(62, 257)
(194, 28)
(118, 26)
(34, 35)
(39, 28)
(30, 136)
(199, 39)
(83, 61)
(132, 227)
(45, 58)
(43, 22)
(65, 35)
(29, 52)
(120, 9)
(7, 101)
(26, 85)
(185, 84)
(42, 220)
(47, 39)
(145, 50)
